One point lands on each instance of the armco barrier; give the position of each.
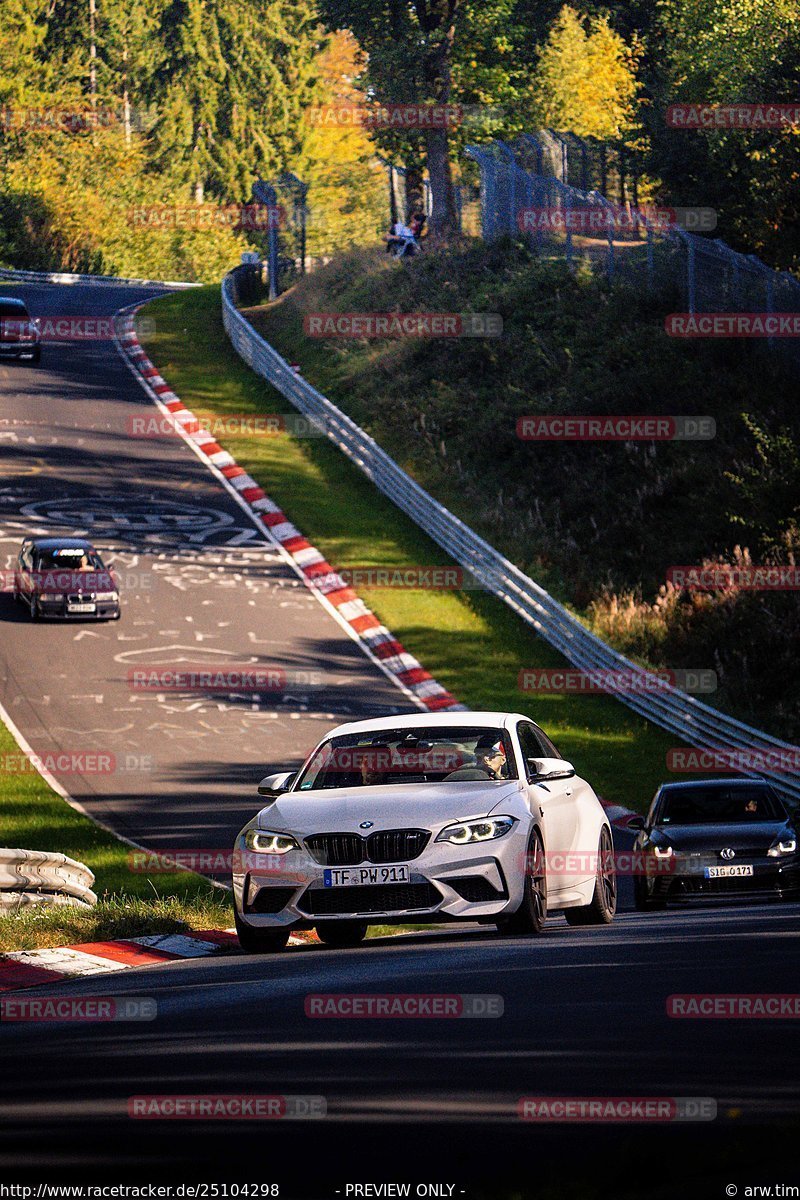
(14, 275)
(687, 718)
(37, 877)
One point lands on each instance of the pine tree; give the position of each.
(188, 88)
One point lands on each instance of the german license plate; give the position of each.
(361, 876)
(729, 872)
(81, 608)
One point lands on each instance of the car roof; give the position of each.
(448, 720)
(63, 543)
(725, 781)
(12, 300)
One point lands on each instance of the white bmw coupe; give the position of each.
(469, 816)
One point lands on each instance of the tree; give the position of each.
(721, 52)
(410, 48)
(189, 84)
(586, 78)
(347, 198)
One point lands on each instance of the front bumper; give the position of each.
(104, 610)
(771, 878)
(447, 883)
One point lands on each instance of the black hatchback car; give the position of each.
(65, 577)
(19, 332)
(715, 838)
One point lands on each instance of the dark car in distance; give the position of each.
(19, 332)
(65, 577)
(716, 838)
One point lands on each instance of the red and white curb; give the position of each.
(617, 814)
(319, 576)
(29, 968)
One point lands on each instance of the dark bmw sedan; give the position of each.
(19, 332)
(65, 577)
(716, 838)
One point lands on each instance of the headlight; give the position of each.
(663, 851)
(106, 596)
(52, 596)
(782, 846)
(262, 841)
(466, 832)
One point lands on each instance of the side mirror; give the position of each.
(636, 823)
(544, 770)
(275, 785)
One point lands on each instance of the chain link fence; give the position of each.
(528, 190)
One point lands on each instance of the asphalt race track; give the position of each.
(584, 1011)
(207, 589)
(584, 1015)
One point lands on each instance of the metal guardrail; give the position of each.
(689, 719)
(34, 877)
(12, 274)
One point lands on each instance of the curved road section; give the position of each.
(202, 589)
(484, 1092)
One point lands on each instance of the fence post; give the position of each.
(610, 234)
(770, 282)
(267, 194)
(690, 278)
(566, 197)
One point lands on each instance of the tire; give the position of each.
(642, 900)
(341, 933)
(603, 905)
(529, 919)
(37, 356)
(260, 941)
(33, 608)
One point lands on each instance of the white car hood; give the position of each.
(399, 806)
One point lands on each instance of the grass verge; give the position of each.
(130, 904)
(470, 641)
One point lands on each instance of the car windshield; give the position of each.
(13, 308)
(719, 805)
(424, 755)
(68, 559)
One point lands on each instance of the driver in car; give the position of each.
(491, 759)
